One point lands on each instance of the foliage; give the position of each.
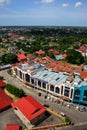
(13, 90)
(1, 77)
(85, 62)
(74, 57)
(67, 120)
(9, 58)
(10, 72)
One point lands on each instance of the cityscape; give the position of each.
(43, 65)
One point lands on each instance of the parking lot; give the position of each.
(8, 117)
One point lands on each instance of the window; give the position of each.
(52, 88)
(32, 81)
(44, 85)
(57, 79)
(45, 75)
(27, 77)
(20, 74)
(77, 94)
(39, 83)
(57, 90)
(66, 93)
(85, 95)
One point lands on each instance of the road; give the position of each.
(79, 118)
(82, 127)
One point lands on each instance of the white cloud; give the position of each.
(4, 2)
(47, 1)
(65, 5)
(77, 4)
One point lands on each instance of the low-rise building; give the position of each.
(5, 101)
(29, 110)
(13, 127)
(60, 84)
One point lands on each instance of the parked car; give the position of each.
(62, 113)
(82, 109)
(46, 105)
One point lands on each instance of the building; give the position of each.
(21, 57)
(80, 91)
(13, 127)
(37, 76)
(5, 101)
(60, 84)
(83, 75)
(29, 111)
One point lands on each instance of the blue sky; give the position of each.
(43, 12)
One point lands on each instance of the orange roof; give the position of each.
(30, 107)
(64, 55)
(40, 52)
(83, 74)
(5, 101)
(13, 127)
(21, 56)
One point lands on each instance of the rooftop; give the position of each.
(5, 101)
(13, 127)
(30, 107)
(50, 76)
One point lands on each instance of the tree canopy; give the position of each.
(9, 58)
(14, 90)
(74, 57)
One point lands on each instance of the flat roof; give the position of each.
(29, 67)
(50, 76)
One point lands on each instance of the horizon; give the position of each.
(43, 13)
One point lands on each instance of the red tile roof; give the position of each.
(82, 49)
(63, 67)
(83, 74)
(64, 55)
(53, 51)
(40, 52)
(29, 107)
(12, 126)
(5, 101)
(2, 84)
(21, 56)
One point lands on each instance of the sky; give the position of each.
(43, 12)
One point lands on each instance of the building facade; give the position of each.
(59, 84)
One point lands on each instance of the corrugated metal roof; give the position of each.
(30, 107)
(12, 127)
(5, 101)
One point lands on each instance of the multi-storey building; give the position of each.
(60, 84)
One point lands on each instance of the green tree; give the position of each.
(74, 57)
(9, 58)
(14, 90)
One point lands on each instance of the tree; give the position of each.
(14, 90)
(74, 57)
(9, 58)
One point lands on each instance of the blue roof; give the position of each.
(59, 57)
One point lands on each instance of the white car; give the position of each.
(62, 113)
